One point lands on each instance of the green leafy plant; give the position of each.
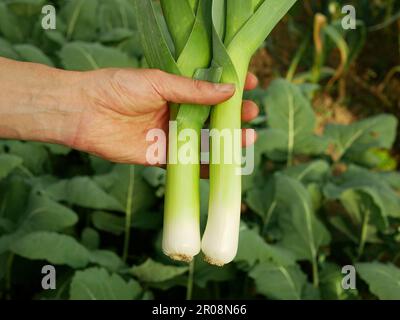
(315, 203)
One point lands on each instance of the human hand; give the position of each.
(120, 106)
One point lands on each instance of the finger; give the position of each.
(179, 89)
(251, 82)
(250, 111)
(249, 137)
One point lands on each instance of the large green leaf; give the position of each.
(109, 222)
(47, 215)
(156, 178)
(262, 146)
(364, 208)
(118, 14)
(83, 56)
(288, 110)
(8, 163)
(152, 271)
(117, 35)
(116, 183)
(357, 178)
(340, 224)
(261, 199)
(7, 50)
(42, 215)
(383, 279)
(55, 37)
(98, 284)
(272, 143)
(331, 286)
(392, 178)
(14, 195)
(107, 259)
(99, 165)
(84, 192)
(80, 17)
(376, 158)
(33, 155)
(10, 27)
(7, 240)
(30, 53)
(131, 45)
(279, 282)
(290, 114)
(112, 223)
(315, 171)
(55, 149)
(90, 238)
(253, 248)
(6, 226)
(351, 141)
(303, 233)
(53, 247)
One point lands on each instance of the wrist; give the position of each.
(61, 106)
(42, 103)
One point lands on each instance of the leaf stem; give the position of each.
(26, 171)
(189, 287)
(315, 272)
(269, 215)
(363, 237)
(128, 212)
(297, 58)
(291, 129)
(62, 289)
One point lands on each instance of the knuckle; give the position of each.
(156, 73)
(117, 75)
(198, 85)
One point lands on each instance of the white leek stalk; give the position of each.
(236, 37)
(189, 27)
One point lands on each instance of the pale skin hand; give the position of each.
(106, 112)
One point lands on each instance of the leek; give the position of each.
(190, 29)
(223, 34)
(245, 26)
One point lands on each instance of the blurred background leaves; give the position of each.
(325, 192)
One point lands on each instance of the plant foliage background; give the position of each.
(324, 193)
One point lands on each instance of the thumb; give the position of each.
(179, 89)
